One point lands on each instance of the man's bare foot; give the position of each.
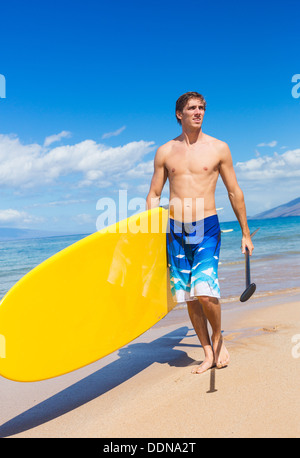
(207, 364)
(221, 353)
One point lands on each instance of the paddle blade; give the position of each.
(248, 292)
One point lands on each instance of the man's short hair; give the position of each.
(183, 100)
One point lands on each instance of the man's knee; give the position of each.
(207, 300)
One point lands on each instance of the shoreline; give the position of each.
(234, 301)
(146, 389)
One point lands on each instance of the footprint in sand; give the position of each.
(271, 328)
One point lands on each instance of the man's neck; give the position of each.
(191, 137)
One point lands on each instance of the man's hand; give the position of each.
(247, 242)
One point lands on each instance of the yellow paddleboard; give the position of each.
(86, 301)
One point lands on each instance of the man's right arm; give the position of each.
(159, 179)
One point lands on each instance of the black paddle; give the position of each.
(250, 287)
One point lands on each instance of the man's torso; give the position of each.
(193, 173)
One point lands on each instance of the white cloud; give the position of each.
(83, 219)
(113, 134)
(270, 144)
(30, 165)
(11, 216)
(60, 203)
(56, 138)
(144, 188)
(142, 169)
(267, 181)
(286, 165)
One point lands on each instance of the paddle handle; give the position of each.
(247, 267)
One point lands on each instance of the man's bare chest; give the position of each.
(203, 162)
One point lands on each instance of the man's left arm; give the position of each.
(235, 195)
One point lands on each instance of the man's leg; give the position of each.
(199, 322)
(212, 310)
(208, 308)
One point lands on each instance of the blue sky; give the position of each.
(90, 94)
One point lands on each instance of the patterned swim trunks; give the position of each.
(193, 257)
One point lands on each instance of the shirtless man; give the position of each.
(192, 162)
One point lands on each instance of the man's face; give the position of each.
(192, 114)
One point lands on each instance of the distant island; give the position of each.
(291, 208)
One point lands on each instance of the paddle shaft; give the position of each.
(247, 262)
(250, 287)
(247, 267)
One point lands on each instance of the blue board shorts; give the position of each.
(193, 257)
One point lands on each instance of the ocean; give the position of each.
(275, 263)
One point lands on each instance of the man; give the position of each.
(192, 162)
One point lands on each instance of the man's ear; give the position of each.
(179, 114)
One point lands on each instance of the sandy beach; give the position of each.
(146, 390)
